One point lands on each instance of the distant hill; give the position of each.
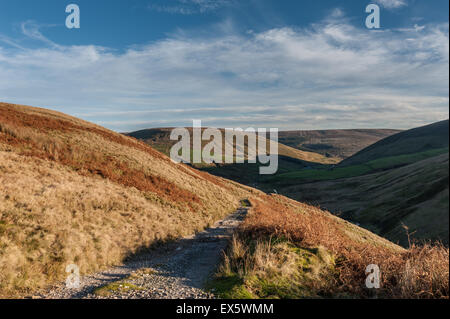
(401, 179)
(289, 159)
(75, 192)
(330, 172)
(334, 143)
(420, 139)
(159, 138)
(416, 195)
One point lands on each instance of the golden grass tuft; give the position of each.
(346, 251)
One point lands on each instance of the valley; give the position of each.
(335, 143)
(407, 169)
(75, 193)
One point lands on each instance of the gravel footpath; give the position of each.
(174, 270)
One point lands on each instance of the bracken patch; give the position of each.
(417, 272)
(14, 123)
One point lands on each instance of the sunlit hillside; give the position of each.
(74, 192)
(159, 138)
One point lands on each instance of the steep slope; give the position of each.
(420, 139)
(73, 192)
(337, 172)
(285, 249)
(334, 143)
(415, 196)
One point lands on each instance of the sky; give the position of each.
(287, 64)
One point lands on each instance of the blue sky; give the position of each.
(287, 64)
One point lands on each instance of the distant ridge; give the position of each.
(159, 138)
(336, 143)
(73, 192)
(420, 139)
(415, 196)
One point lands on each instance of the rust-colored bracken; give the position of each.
(87, 162)
(418, 272)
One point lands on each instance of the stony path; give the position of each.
(175, 270)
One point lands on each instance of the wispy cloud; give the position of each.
(32, 30)
(188, 7)
(328, 75)
(392, 4)
(10, 42)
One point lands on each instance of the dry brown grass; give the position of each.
(272, 267)
(418, 272)
(73, 192)
(31, 134)
(424, 273)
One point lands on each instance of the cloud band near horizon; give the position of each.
(328, 75)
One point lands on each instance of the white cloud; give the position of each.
(32, 30)
(418, 28)
(392, 4)
(10, 42)
(188, 7)
(337, 13)
(331, 75)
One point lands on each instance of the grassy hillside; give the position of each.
(74, 192)
(331, 173)
(290, 159)
(335, 143)
(415, 196)
(400, 181)
(385, 214)
(421, 139)
(296, 165)
(159, 138)
(286, 249)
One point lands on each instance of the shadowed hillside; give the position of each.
(399, 181)
(74, 192)
(415, 196)
(416, 140)
(334, 143)
(289, 159)
(159, 138)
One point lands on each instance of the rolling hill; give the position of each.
(397, 150)
(296, 161)
(289, 159)
(337, 172)
(334, 143)
(420, 139)
(159, 138)
(401, 180)
(73, 192)
(346, 188)
(415, 196)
